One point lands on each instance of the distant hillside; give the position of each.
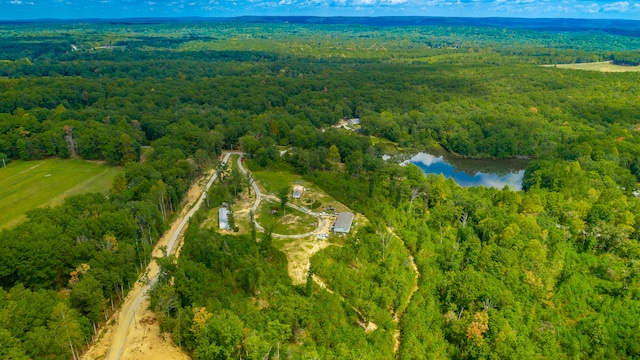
(609, 26)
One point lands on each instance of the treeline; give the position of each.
(631, 58)
(46, 42)
(63, 135)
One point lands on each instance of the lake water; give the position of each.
(496, 173)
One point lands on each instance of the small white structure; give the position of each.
(297, 191)
(355, 121)
(343, 222)
(223, 221)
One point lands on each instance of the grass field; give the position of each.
(605, 66)
(25, 185)
(274, 180)
(294, 223)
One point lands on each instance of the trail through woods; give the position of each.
(397, 317)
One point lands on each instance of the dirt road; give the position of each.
(256, 190)
(322, 218)
(116, 339)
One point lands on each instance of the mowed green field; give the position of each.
(25, 185)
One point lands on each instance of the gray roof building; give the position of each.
(297, 191)
(343, 222)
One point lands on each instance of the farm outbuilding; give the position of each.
(223, 218)
(343, 222)
(297, 191)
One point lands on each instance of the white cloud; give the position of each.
(593, 8)
(435, 2)
(365, 2)
(15, 2)
(620, 6)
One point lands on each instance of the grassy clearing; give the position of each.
(298, 250)
(605, 66)
(25, 185)
(293, 223)
(312, 198)
(388, 145)
(272, 181)
(145, 153)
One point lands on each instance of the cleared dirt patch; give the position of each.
(299, 253)
(604, 66)
(147, 342)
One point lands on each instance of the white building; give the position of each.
(223, 220)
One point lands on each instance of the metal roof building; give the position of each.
(222, 218)
(343, 222)
(297, 191)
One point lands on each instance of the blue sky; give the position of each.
(73, 9)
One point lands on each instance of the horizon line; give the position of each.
(225, 18)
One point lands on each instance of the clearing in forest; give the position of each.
(300, 250)
(25, 185)
(300, 228)
(603, 66)
(313, 198)
(271, 216)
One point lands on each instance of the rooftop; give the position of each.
(343, 222)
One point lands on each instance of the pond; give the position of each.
(496, 173)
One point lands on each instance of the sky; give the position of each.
(78, 9)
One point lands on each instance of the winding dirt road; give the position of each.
(322, 218)
(138, 293)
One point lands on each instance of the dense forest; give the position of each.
(549, 271)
